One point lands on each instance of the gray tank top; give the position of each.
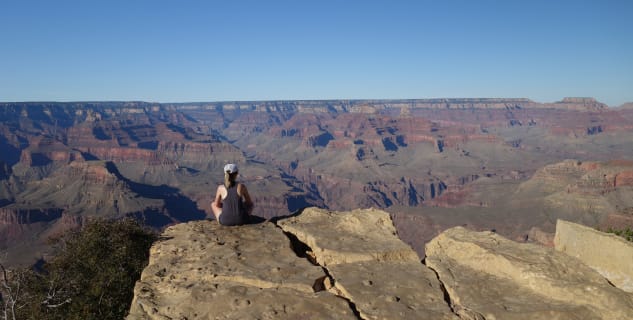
(233, 211)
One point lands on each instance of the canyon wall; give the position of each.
(417, 154)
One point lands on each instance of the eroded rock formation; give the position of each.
(320, 264)
(466, 155)
(490, 277)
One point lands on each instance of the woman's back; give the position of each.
(233, 210)
(232, 204)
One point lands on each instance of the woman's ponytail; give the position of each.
(229, 179)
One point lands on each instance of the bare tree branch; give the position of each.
(8, 295)
(59, 304)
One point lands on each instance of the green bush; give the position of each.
(93, 274)
(624, 233)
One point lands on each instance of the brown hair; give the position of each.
(229, 179)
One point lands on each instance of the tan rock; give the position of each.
(348, 237)
(201, 270)
(608, 254)
(370, 266)
(391, 290)
(488, 276)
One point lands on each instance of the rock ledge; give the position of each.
(321, 264)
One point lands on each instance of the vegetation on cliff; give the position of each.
(624, 233)
(91, 277)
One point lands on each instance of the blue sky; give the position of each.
(169, 51)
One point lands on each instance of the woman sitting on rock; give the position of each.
(232, 205)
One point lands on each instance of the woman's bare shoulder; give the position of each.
(241, 187)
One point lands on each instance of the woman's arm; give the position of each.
(247, 198)
(216, 204)
(218, 197)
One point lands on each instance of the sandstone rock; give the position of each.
(608, 254)
(490, 277)
(370, 266)
(201, 270)
(391, 290)
(361, 235)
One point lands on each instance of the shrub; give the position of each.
(624, 233)
(93, 274)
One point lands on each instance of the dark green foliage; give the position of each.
(624, 233)
(93, 274)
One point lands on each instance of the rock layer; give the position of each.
(490, 277)
(608, 254)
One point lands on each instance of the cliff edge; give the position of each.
(321, 264)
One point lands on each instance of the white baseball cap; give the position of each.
(230, 168)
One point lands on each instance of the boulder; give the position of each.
(201, 270)
(379, 274)
(489, 277)
(610, 255)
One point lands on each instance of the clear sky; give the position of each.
(170, 51)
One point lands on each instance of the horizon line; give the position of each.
(306, 100)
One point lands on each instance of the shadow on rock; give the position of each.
(295, 213)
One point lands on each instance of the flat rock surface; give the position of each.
(347, 237)
(590, 246)
(201, 270)
(490, 277)
(369, 265)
